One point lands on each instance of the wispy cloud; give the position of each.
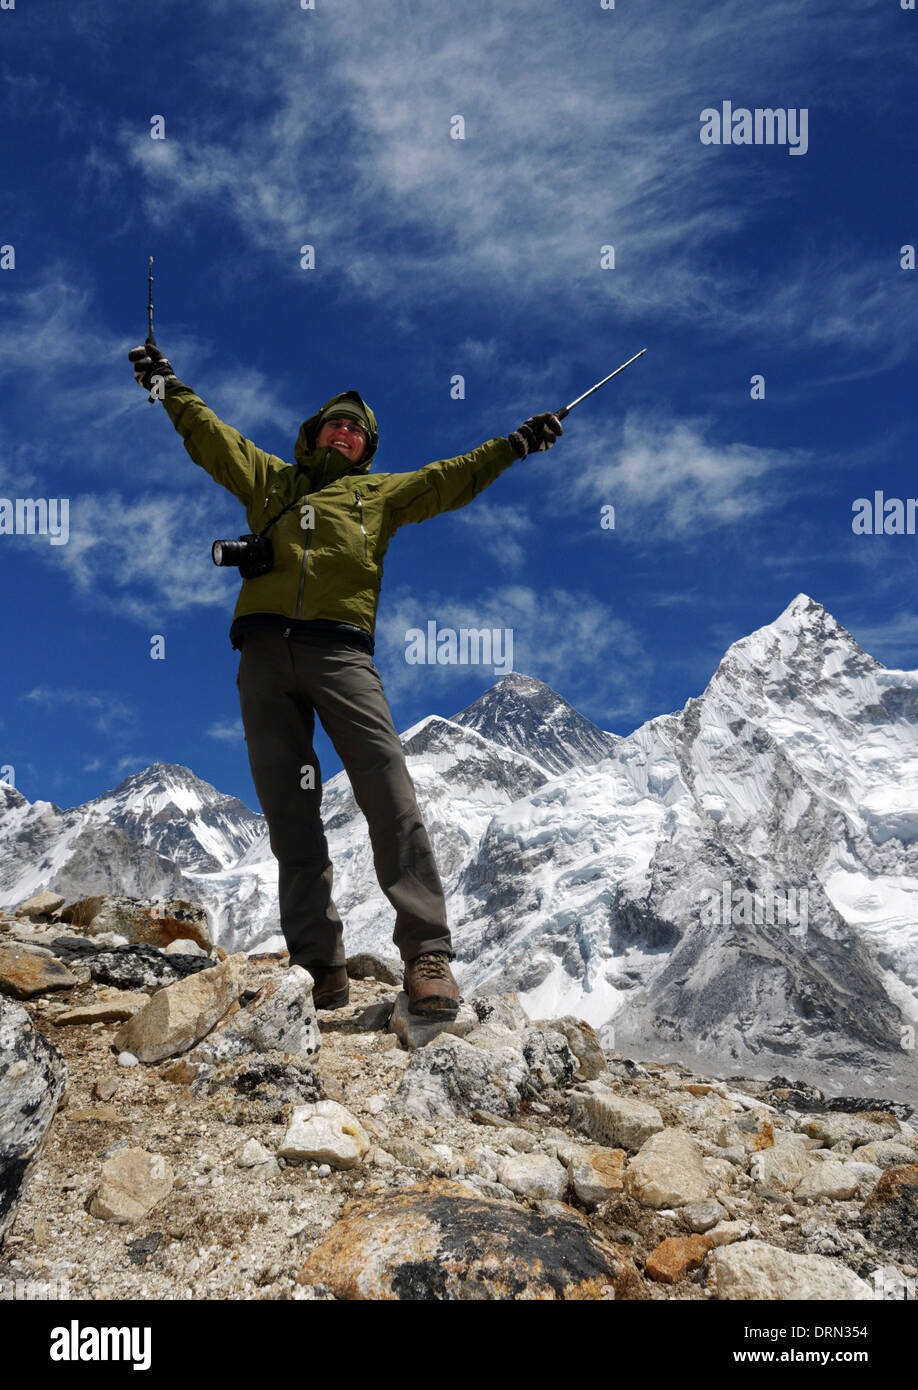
(226, 731)
(144, 558)
(893, 641)
(107, 713)
(619, 148)
(668, 476)
(133, 762)
(501, 530)
(571, 640)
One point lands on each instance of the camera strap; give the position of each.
(290, 505)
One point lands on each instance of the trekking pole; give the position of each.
(566, 409)
(150, 338)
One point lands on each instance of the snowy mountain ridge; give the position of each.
(581, 868)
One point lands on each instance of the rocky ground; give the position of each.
(230, 1144)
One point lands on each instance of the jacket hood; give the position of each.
(305, 451)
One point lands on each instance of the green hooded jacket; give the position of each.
(328, 564)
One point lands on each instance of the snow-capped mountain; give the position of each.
(528, 716)
(69, 851)
(735, 882)
(139, 839)
(180, 816)
(792, 781)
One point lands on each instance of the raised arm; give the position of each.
(448, 484)
(231, 460)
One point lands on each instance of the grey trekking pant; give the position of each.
(283, 683)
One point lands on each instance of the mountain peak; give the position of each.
(804, 666)
(9, 796)
(525, 714)
(183, 817)
(159, 772)
(806, 640)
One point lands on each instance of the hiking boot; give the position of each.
(432, 991)
(331, 989)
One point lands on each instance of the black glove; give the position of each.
(149, 362)
(536, 434)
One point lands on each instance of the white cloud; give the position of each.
(133, 762)
(894, 640)
(143, 558)
(501, 530)
(665, 477)
(577, 134)
(571, 640)
(226, 731)
(87, 392)
(109, 714)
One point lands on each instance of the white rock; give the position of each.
(133, 1182)
(127, 1059)
(503, 1009)
(520, 1139)
(326, 1132)
(887, 1153)
(183, 1013)
(596, 1174)
(41, 905)
(856, 1129)
(776, 1171)
(726, 1232)
(483, 1161)
(831, 1179)
(184, 946)
(281, 1018)
(617, 1122)
(756, 1270)
(450, 1076)
(493, 1035)
(668, 1171)
(701, 1216)
(453, 1165)
(866, 1172)
(533, 1175)
(253, 1155)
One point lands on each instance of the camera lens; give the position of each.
(229, 552)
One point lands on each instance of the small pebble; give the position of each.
(127, 1059)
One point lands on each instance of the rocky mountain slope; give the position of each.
(207, 1135)
(76, 853)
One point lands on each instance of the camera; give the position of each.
(254, 555)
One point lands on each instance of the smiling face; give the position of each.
(343, 434)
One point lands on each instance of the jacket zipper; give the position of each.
(360, 512)
(299, 592)
(270, 495)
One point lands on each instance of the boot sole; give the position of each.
(435, 1007)
(333, 1001)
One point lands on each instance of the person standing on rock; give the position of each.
(304, 625)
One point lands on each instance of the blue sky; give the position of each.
(435, 257)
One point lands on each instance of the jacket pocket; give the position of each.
(358, 503)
